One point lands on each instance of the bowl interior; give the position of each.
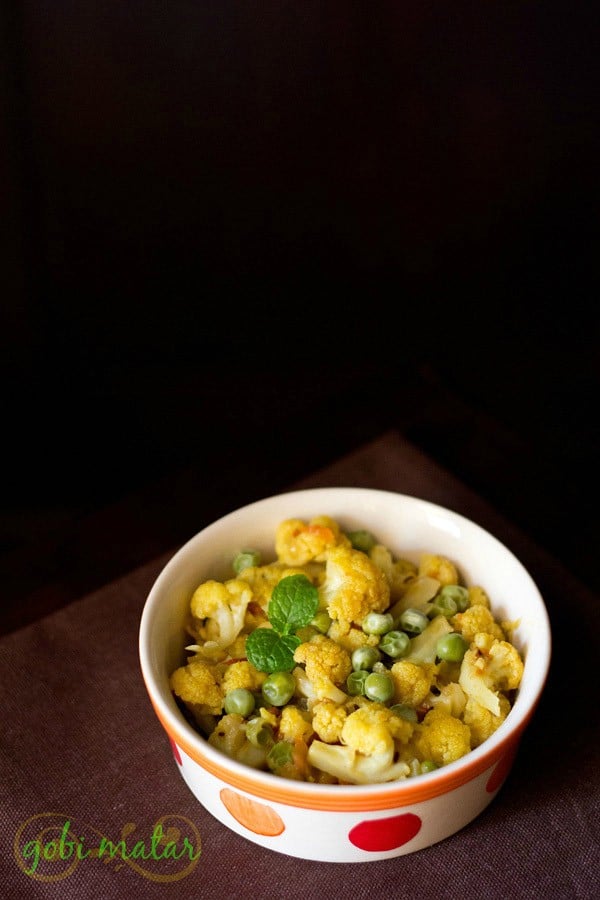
(405, 524)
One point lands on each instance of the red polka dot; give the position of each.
(385, 834)
(175, 750)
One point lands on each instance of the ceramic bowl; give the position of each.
(344, 823)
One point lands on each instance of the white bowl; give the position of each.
(344, 823)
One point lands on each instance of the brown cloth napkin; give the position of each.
(83, 758)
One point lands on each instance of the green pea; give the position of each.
(456, 592)
(377, 623)
(395, 644)
(405, 712)
(365, 658)
(307, 633)
(278, 689)
(279, 755)
(428, 765)
(355, 682)
(259, 732)
(451, 647)
(379, 687)
(413, 621)
(361, 540)
(245, 559)
(443, 605)
(240, 701)
(322, 621)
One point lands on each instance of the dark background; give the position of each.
(242, 239)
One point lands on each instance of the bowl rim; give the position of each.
(495, 751)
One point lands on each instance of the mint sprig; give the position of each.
(271, 652)
(293, 605)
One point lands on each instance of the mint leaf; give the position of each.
(293, 604)
(271, 652)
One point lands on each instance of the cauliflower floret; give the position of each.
(222, 608)
(353, 587)
(293, 725)
(328, 720)
(242, 675)
(230, 737)
(366, 727)
(368, 748)
(481, 721)
(351, 639)
(197, 684)
(327, 665)
(509, 626)
(451, 698)
(262, 580)
(399, 572)
(442, 738)
(475, 619)
(270, 716)
(438, 567)
(298, 542)
(237, 650)
(412, 683)
(478, 597)
(488, 667)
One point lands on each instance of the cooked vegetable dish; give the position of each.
(339, 663)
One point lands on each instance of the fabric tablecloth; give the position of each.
(84, 760)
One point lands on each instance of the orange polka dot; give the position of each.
(254, 816)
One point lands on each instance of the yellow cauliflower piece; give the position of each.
(509, 626)
(488, 667)
(451, 698)
(366, 755)
(481, 721)
(475, 619)
(262, 580)
(293, 725)
(196, 683)
(399, 572)
(326, 665)
(242, 675)
(478, 597)
(353, 587)
(237, 650)
(298, 542)
(412, 682)
(221, 609)
(442, 738)
(269, 716)
(352, 638)
(366, 727)
(366, 731)
(438, 567)
(328, 720)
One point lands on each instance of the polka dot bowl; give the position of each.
(344, 823)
